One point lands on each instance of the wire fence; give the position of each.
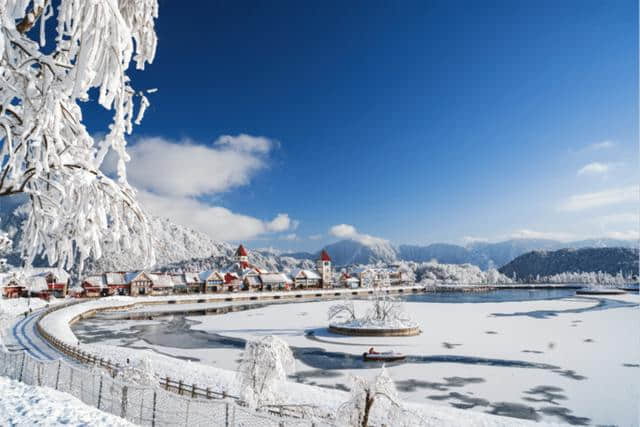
(143, 405)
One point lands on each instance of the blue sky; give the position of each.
(414, 122)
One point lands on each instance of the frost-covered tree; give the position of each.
(343, 308)
(386, 309)
(264, 364)
(375, 398)
(5, 246)
(52, 58)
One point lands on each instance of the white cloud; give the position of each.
(218, 222)
(549, 235)
(315, 237)
(624, 235)
(594, 168)
(188, 169)
(170, 175)
(282, 222)
(290, 236)
(602, 145)
(611, 196)
(246, 143)
(346, 231)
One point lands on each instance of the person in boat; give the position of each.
(373, 351)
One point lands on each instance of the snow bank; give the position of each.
(24, 405)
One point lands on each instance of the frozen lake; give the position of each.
(534, 354)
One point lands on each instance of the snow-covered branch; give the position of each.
(76, 211)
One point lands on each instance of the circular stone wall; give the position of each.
(363, 332)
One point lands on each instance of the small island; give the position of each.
(385, 317)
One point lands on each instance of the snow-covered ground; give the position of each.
(566, 360)
(24, 405)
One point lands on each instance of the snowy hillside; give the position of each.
(348, 252)
(176, 248)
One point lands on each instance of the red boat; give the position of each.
(387, 356)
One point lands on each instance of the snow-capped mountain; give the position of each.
(346, 252)
(585, 260)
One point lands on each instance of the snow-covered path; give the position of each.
(24, 335)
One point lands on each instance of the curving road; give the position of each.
(23, 335)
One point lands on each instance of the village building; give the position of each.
(57, 282)
(371, 277)
(117, 283)
(275, 282)
(348, 281)
(194, 285)
(305, 278)
(12, 287)
(95, 286)
(179, 283)
(323, 265)
(213, 281)
(161, 284)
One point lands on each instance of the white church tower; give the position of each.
(323, 266)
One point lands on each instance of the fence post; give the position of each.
(167, 385)
(180, 387)
(100, 392)
(123, 405)
(58, 374)
(24, 355)
(193, 390)
(153, 417)
(208, 393)
(226, 414)
(39, 370)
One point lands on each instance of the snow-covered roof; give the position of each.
(252, 280)
(161, 280)
(241, 251)
(97, 281)
(299, 273)
(135, 275)
(178, 279)
(274, 278)
(211, 275)
(115, 278)
(59, 274)
(38, 283)
(324, 256)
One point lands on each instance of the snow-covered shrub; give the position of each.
(140, 371)
(264, 365)
(375, 401)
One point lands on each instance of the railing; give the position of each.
(140, 404)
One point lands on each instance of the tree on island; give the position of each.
(384, 311)
(75, 209)
(264, 364)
